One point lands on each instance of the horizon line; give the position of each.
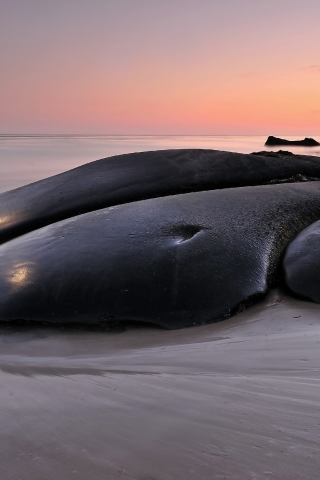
(136, 135)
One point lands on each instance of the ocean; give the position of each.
(27, 158)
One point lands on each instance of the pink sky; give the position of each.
(160, 66)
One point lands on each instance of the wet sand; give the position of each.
(234, 400)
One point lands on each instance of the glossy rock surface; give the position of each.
(174, 261)
(302, 263)
(138, 176)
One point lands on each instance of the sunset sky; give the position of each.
(206, 67)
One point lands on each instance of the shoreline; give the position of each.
(235, 399)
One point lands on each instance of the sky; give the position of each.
(179, 67)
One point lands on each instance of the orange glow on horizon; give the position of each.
(208, 69)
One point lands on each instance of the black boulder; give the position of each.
(174, 261)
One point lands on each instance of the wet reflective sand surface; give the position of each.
(238, 399)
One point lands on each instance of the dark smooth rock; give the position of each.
(301, 263)
(278, 154)
(138, 176)
(175, 261)
(307, 142)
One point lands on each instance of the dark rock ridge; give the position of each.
(302, 263)
(307, 142)
(278, 154)
(128, 178)
(174, 261)
(123, 239)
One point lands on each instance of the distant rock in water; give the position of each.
(307, 142)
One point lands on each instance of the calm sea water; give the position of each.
(28, 158)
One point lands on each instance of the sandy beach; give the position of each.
(159, 240)
(234, 400)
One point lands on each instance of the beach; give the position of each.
(236, 399)
(160, 240)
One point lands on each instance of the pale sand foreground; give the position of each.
(236, 400)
